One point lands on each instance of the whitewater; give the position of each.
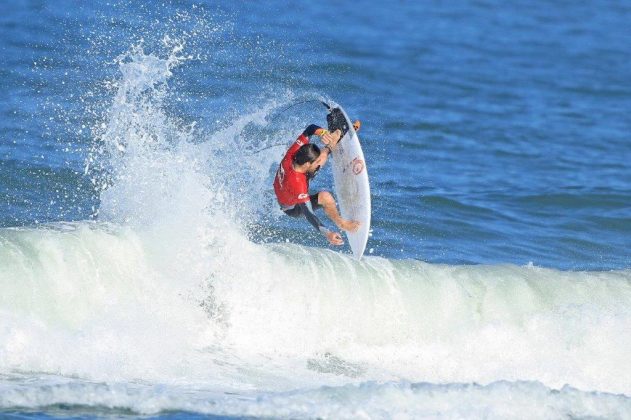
(176, 298)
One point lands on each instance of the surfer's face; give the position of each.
(314, 167)
(316, 164)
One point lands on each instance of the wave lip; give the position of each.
(110, 304)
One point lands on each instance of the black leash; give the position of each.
(280, 111)
(306, 101)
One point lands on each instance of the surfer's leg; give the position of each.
(314, 201)
(295, 211)
(327, 202)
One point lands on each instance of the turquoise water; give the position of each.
(141, 246)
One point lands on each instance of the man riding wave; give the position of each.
(291, 184)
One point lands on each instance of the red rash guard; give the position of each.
(291, 187)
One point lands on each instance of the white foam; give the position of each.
(106, 305)
(167, 288)
(402, 400)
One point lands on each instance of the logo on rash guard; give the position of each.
(302, 196)
(358, 166)
(280, 174)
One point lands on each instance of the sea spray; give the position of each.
(167, 286)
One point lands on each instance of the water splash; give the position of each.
(169, 287)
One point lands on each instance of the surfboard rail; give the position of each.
(350, 177)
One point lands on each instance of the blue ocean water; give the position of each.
(142, 248)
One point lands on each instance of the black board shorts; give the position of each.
(296, 211)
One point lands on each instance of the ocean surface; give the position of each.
(147, 271)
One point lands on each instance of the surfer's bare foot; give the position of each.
(349, 225)
(334, 238)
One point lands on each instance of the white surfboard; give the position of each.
(350, 177)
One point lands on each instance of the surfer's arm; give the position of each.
(330, 141)
(324, 155)
(328, 138)
(314, 129)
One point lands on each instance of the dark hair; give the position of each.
(306, 154)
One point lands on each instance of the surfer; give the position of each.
(291, 184)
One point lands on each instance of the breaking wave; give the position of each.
(176, 283)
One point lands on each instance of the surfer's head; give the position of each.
(308, 153)
(306, 160)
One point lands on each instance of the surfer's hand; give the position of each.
(331, 139)
(349, 225)
(334, 238)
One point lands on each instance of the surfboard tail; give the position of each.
(337, 121)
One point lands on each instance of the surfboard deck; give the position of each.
(350, 178)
